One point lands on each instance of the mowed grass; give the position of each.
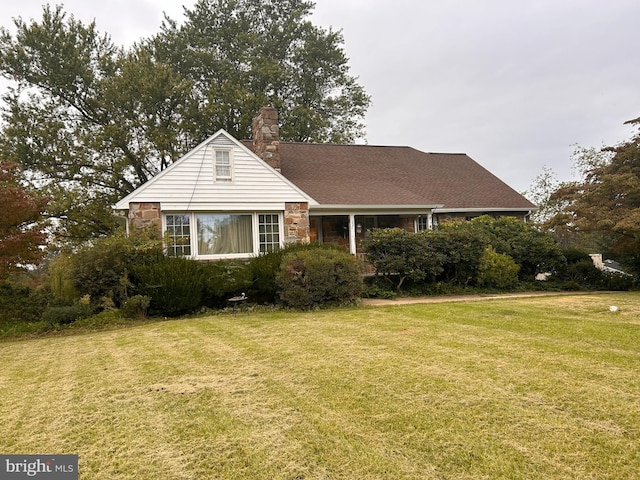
(544, 387)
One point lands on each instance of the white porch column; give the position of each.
(352, 234)
(430, 221)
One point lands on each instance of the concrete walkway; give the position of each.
(465, 298)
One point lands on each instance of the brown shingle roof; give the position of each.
(369, 175)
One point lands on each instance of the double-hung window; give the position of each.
(223, 166)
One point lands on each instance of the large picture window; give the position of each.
(220, 234)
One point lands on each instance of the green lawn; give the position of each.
(539, 388)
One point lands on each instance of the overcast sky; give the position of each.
(514, 84)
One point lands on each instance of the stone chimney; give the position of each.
(266, 137)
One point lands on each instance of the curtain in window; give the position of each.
(224, 234)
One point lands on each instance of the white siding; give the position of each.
(188, 185)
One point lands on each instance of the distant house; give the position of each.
(607, 265)
(233, 199)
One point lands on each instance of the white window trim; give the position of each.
(193, 229)
(224, 180)
(430, 224)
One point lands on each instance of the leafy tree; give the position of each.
(90, 121)
(243, 54)
(539, 193)
(606, 200)
(20, 236)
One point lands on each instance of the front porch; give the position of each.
(349, 230)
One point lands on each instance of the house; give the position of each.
(233, 199)
(607, 265)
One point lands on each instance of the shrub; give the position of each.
(618, 281)
(319, 276)
(102, 268)
(407, 256)
(585, 274)
(461, 250)
(223, 279)
(534, 250)
(173, 283)
(264, 269)
(64, 315)
(497, 270)
(375, 288)
(21, 303)
(136, 307)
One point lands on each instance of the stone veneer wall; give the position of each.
(296, 222)
(145, 215)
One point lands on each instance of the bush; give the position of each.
(136, 307)
(533, 250)
(618, 281)
(173, 283)
(319, 276)
(497, 270)
(461, 249)
(67, 314)
(406, 256)
(375, 288)
(224, 279)
(101, 269)
(19, 303)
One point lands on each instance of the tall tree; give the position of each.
(90, 121)
(606, 201)
(244, 54)
(21, 237)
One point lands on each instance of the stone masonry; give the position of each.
(266, 136)
(296, 222)
(145, 215)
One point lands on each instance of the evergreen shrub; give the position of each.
(224, 279)
(174, 284)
